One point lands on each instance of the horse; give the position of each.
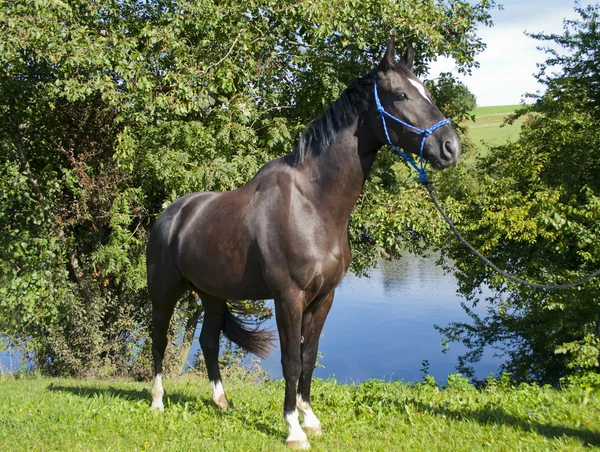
(284, 235)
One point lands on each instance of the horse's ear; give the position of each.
(387, 62)
(409, 57)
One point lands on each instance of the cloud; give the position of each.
(508, 64)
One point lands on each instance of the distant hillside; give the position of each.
(487, 129)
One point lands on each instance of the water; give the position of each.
(382, 326)
(10, 360)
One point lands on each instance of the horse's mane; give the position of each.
(340, 114)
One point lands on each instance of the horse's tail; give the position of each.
(252, 339)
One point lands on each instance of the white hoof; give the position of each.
(157, 405)
(157, 394)
(222, 403)
(315, 430)
(218, 395)
(296, 439)
(311, 423)
(298, 444)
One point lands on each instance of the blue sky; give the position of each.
(509, 62)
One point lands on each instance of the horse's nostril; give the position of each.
(450, 150)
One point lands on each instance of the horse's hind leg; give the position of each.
(165, 289)
(214, 322)
(313, 320)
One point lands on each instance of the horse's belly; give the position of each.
(236, 292)
(226, 276)
(215, 253)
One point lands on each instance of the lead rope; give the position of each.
(429, 186)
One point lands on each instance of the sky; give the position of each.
(508, 64)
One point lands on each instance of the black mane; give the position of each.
(340, 114)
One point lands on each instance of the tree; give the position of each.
(534, 205)
(454, 97)
(110, 110)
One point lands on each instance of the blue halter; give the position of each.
(424, 134)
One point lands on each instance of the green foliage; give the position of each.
(111, 110)
(534, 208)
(454, 98)
(584, 352)
(61, 414)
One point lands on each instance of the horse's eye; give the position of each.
(400, 96)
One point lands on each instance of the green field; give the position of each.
(80, 415)
(488, 129)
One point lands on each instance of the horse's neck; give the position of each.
(337, 174)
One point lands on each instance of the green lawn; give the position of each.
(59, 414)
(488, 129)
(495, 110)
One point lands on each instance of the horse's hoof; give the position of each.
(157, 406)
(315, 430)
(298, 444)
(223, 403)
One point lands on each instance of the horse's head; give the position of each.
(421, 129)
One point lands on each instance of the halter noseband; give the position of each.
(424, 134)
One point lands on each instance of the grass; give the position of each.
(495, 110)
(61, 414)
(488, 129)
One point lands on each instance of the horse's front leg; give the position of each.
(288, 311)
(312, 325)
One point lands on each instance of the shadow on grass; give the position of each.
(127, 394)
(498, 416)
(254, 418)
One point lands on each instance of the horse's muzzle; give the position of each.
(444, 153)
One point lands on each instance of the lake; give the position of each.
(382, 326)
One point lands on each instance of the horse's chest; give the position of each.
(320, 269)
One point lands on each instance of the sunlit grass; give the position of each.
(60, 414)
(495, 110)
(489, 130)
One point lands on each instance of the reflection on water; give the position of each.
(398, 277)
(382, 326)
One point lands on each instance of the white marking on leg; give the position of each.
(157, 393)
(296, 439)
(420, 89)
(218, 394)
(217, 389)
(311, 422)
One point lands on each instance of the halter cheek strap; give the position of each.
(424, 134)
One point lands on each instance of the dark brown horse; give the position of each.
(284, 235)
